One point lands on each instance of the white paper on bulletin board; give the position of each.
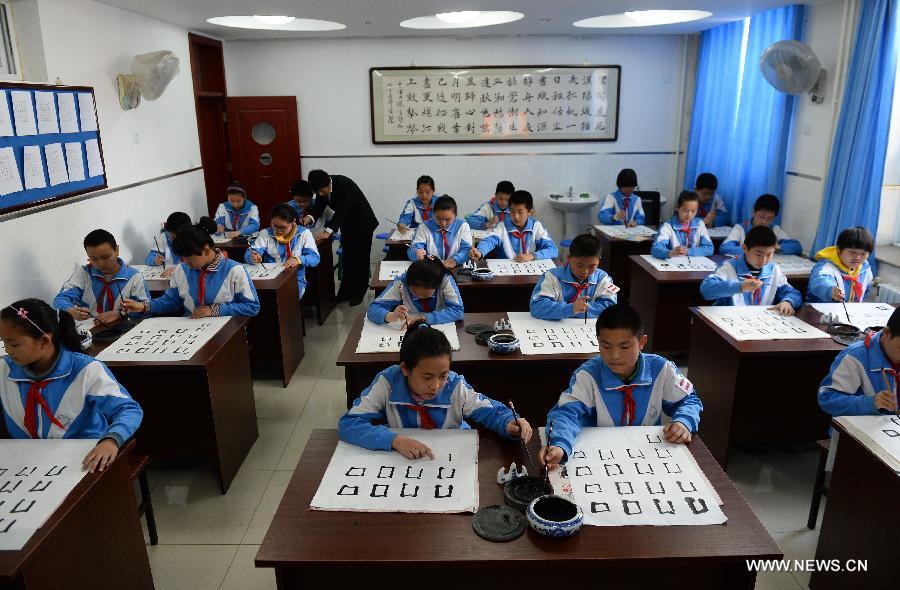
(498, 103)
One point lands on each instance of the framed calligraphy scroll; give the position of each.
(495, 104)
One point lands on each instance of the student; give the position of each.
(173, 223)
(48, 390)
(444, 236)
(425, 291)
(765, 210)
(623, 206)
(303, 202)
(98, 288)
(622, 387)
(753, 279)
(711, 207)
(420, 208)
(684, 234)
(578, 287)
(237, 216)
(842, 272)
(422, 392)
(205, 284)
(494, 211)
(286, 243)
(863, 378)
(354, 217)
(520, 237)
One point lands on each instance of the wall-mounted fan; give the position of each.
(793, 68)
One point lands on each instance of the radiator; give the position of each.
(888, 293)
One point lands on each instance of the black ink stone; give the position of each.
(521, 491)
(499, 523)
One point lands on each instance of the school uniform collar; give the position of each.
(436, 229)
(217, 262)
(876, 360)
(60, 370)
(245, 209)
(743, 268)
(620, 196)
(642, 377)
(413, 297)
(511, 227)
(568, 277)
(677, 225)
(119, 276)
(420, 206)
(496, 207)
(400, 394)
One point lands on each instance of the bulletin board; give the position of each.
(50, 144)
(495, 104)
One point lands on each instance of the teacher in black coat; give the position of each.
(354, 217)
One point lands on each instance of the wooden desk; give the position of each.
(235, 248)
(93, 540)
(397, 249)
(758, 391)
(351, 549)
(664, 300)
(614, 254)
(506, 293)
(320, 283)
(203, 408)
(533, 382)
(856, 524)
(276, 333)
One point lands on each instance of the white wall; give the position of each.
(330, 80)
(87, 43)
(813, 126)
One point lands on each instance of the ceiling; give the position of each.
(380, 18)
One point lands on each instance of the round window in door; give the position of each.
(263, 133)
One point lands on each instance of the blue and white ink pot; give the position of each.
(482, 274)
(554, 516)
(503, 343)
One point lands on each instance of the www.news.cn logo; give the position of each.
(807, 565)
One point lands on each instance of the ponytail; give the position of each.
(421, 341)
(36, 318)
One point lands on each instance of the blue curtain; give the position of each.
(853, 187)
(740, 125)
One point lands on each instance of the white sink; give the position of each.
(576, 211)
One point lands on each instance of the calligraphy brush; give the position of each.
(161, 253)
(843, 302)
(522, 440)
(549, 433)
(94, 316)
(887, 385)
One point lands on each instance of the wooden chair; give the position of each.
(820, 488)
(138, 463)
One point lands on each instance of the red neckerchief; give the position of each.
(626, 201)
(425, 419)
(856, 288)
(701, 208)
(579, 287)
(523, 239)
(201, 288)
(500, 212)
(32, 402)
(425, 211)
(106, 292)
(425, 302)
(629, 407)
(446, 244)
(686, 228)
(235, 221)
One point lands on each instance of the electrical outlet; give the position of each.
(807, 129)
(136, 137)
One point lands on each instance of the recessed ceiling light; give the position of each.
(482, 19)
(294, 24)
(459, 17)
(272, 19)
(642, 18)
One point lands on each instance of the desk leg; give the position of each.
(233, 408)
(714, 383)
(99, 544)
(857, 524)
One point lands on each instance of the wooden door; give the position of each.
(264, 142)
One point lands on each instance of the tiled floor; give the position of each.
(208, 541)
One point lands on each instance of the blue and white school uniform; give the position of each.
(856, 378)
(714, 204)
(557, 289)
(78, 398)
(415, 213)
(826, 275)
(301, 246)
(724, 285)
(598, 397)
(615, 202)
(732, 243)
(245, 220)
(388, 399)
(169, 256)
(487, 212)
(224, 285)
(511, 241)
(443, 307)
(451, 243)
(673, 234)
(88, 287)
(301, 212)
